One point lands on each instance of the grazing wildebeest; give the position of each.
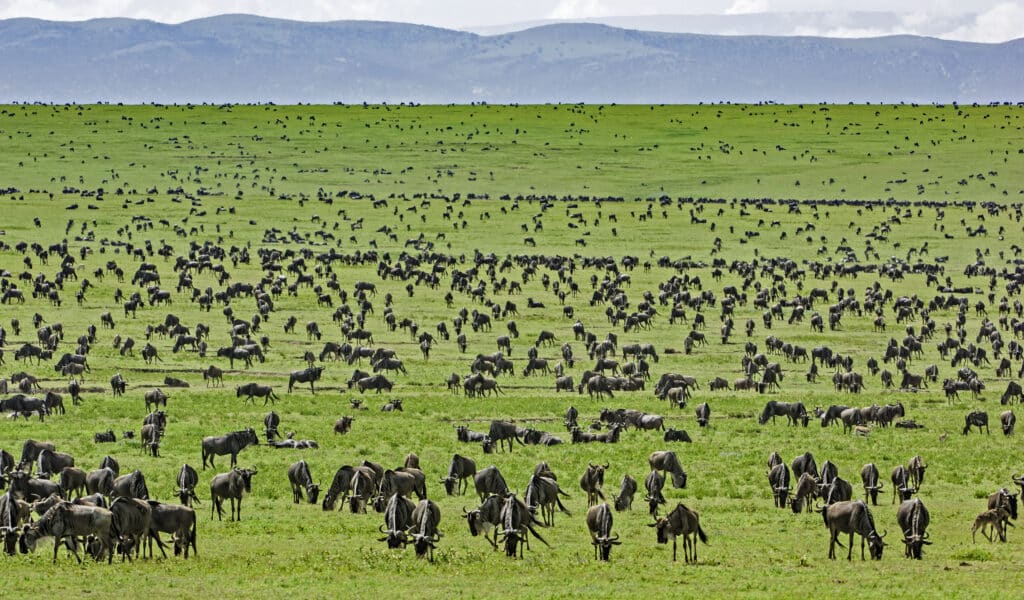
(51, 462)
(976, 418)
(374, 382)
(179, 521)
(23, 487)
(66, 520)
(805, 463)
(309, 374)
(270, 424)
(397, 519)
(703, 414)
(490, 481)
(302, 481)
(591, 482)
(252, 390)
(130, 524)
(1008, 421)
(341, 485)
(187, 481)
(795, 411)
(627, 489)
(778, 479)
(230, 443)
(685, 522)
(666, 460)
(806, 490)
(912, 517)
(503, 432)
(654, 483)
(517, 522)
(485, 518)
(459, 472)
(869, 477)
(852, 517)
(118, 385)
(599, 522)
(232, 485)
(100, 481)
(901, 484)
(542, 493)
(364, 484)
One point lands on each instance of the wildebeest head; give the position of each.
(915, 544)
(876, 544)
(661, 528)
(395, 537)
(605, 543)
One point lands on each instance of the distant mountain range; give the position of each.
(239, 58)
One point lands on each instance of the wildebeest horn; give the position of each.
(884, 534)
(382, 530)
(607, 465)
(464, 511)
(591, 465)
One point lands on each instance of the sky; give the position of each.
(977, 20)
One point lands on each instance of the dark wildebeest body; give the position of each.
(187, 481)
(256, 390)
(231, 443)
(302, 481)
(599, 521)
(308, 375)
(460, 471)
(852, 517)
(666, 460)
(232, 485)
(685, 522)
(490, 481)
(913, 518)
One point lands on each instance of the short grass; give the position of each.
(187, 168)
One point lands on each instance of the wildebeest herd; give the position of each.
(430, 331)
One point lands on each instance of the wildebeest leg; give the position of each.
(849, 550)
(160, 544)
(674, 549)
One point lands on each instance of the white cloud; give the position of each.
(578, 9)
(1001, 23)
(745, 7)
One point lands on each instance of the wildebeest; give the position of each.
(459, 472)
(130, 524)
(676, 435)
(778, 479)
(378, 382)
(423, 528)
(627, 489)
(599, 522)
(307, 375)
(852, 517)
(132, 485)
(302, 481)
(976, 418)
(72, 479)
(592, 481)
(543, 493)
(992, 520)
(23, 487)
(118, 385)
(343, 425)
(51, 462)
(397, 519)
(255, 390)
(100, 481)
(341, 485)
(213, 376)
(685, 522)
(806, 490)
(795, 411)
(232, 485)
(485, 518)
(915, 470)
(489, 481)
(666, 460)
(230, 443)
(703, 414)
(654, 483)
(517, 523)
(1008, 421)
(912, 517)
(187, 481)
(869, 477)
(155, 398)
(1003, 499)
(179, 521)
(66, 520)
(503, 432)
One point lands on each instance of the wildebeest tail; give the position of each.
(561, 506)
(703, 536)
(537, 535)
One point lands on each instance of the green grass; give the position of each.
(269, 163)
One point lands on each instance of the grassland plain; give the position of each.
(233, 175)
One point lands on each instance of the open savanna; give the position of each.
(874, 181)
